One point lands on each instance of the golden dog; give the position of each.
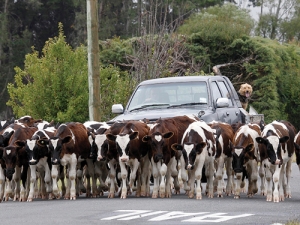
(245, 93)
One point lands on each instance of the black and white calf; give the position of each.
(97, 169)
(6, 123)
(68, 146)
(276, 148)
(107, 151)
(133, 152)
(198, 148)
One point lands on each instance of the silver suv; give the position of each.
(207, 97)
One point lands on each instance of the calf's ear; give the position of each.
(20, 143)
(146, 138)
(261, 140)
(89, 133)
(284, 139)
(177, 147)
(111, 137)
(297, 147)
(168, 134)
(200, 146)
(134, 135)
(249, 147)
(66, 139)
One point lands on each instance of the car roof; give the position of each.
(177, 79)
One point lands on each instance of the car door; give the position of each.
(230, 114)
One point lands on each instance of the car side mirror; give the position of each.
(222, 102)
(117, 108)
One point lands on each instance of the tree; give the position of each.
(15, 42)
(290, 27)
(219, 38)
(54, 86)
(23, 24)
(118, 84)
(278, 18)
(211, 32)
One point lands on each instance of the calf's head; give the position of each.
(123, 143)
(190, 152)
(157, 142)
(56, 145)
(9, 156)
(240, 155)
(273, 147)
(35, 149)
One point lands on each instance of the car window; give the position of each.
(170, 93)
(216, 91)
(225, 92)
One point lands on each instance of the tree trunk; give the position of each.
(93, 60)
(139, 14)
(275, 22)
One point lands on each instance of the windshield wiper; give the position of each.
(150, 105)
(187, 104)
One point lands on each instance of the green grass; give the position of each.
(293, 222)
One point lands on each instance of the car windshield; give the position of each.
(168, 95)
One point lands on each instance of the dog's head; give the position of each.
(245, 90)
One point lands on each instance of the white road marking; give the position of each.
(215, 217)
(194, 217)
(175, 215)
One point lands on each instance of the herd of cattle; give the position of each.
(42, 160)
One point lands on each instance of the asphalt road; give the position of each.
(176, 210)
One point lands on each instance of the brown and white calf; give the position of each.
(28, 120)
(246, 157)
(276, 146)
(198, 148)
(224, 135)
(164, 160)
(134, 153)
(5, 135)
(16, 164)
(69, 146)
(7, 132)
(39, 159)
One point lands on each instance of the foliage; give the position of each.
(53, 86)
(293, 222)
(289, 82)
(116, 87)
(267, 65)
(113, 51)
(275, 70)
(290, 26)
(208, 40)
(227, 21)
(31, 23)
(280, 20)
